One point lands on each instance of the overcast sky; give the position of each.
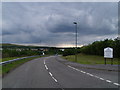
(51, 24)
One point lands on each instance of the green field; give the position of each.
(8, 67)
(89, 59)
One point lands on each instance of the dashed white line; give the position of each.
(44, 61)
(77, 69)
(50, 74)
(108, 81)
(94, 76)
(89, 74)
(116, 84)
(101, 79)
(46, 67)
(83, 72)
(55, 79)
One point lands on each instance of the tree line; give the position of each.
(16, 53)
(97, 48)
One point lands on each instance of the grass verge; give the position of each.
(8, 67)
(8, 58)
(89, 59)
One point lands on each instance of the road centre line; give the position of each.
(101, 79)
(93, 75)
(116, 84)
(44, 61)
(55, 79)
(108, 81)
(46, 67)
(50, 72)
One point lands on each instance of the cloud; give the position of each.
(52, 23)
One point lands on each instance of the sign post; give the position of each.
(108, 54)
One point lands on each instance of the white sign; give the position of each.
(43, 53)
(108, 52)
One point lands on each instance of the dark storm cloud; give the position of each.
(62, 28)
(52, 23)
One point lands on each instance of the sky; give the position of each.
(51, 23)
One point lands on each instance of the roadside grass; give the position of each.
(89, 59)
(8, 58)
(8, 67)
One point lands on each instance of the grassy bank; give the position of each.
(8, 58)
(89, 59)
(8, 67)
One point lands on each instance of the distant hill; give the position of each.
(8, 45)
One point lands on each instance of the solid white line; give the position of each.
(46, 67)
(50, 74)
(116, 84)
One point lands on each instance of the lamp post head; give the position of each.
(74, 22)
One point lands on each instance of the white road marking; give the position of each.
(108, 81)
(55, 79)
(93, 75)
(46, 67)
(83, 72)
(96, 76)
(116, 84)
(77, 69)
(50, 74)
(89, 74)
(44, 61)
(101, 79)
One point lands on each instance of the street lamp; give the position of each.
(76, 40)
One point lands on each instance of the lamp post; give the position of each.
(75, 40)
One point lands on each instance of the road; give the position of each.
(49, 72)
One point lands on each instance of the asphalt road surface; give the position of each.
(49, 72)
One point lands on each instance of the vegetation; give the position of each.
(9, 58)
(71, 51)
(11, 50)
(97, 48)
(53, 51)
(89, 59)
(8, 67)
(18, 53)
